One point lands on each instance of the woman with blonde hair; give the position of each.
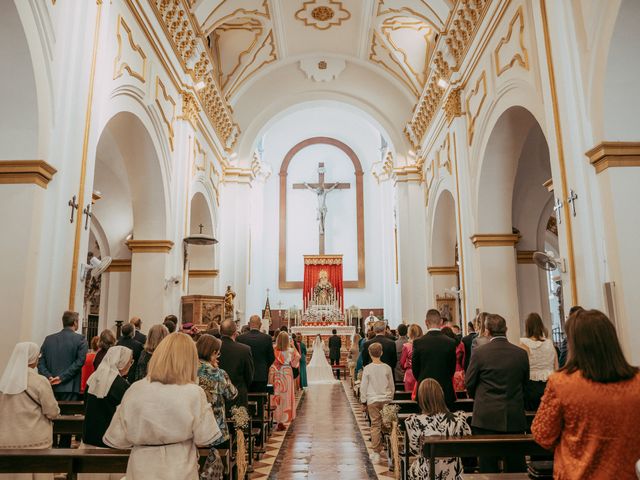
(435, 419)
(165, 417)
(27, 406)
(405, 357)
(154, 337)
(483, 334)
(281, 377)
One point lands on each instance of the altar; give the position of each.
(309, 333)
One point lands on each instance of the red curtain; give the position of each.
(313, 265)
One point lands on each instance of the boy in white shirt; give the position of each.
(376, 390)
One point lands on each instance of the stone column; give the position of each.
(411, 244)
(497, 285)
(618, 176)
(149, 291)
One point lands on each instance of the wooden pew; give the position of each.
(339, 371)
(71, 408)
(71, 461)
(478, 446)
(400, 395)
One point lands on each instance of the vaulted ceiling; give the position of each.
(249, 37)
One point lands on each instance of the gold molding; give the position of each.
(149, 246)
(548, 185)
(453, 105)
(334, 20)
(495, 239)
(524, 257)
(118, 71)
(472, 117)
(203, 273)
(521, 57)
(450, 270)
(36, 172)
(408, 173)
(167, 98)
(461, 246)
(120, 265)
(73, 282)
(243, 76)
(614, 154)
(376, 58)
(560, 151)
(190, 109)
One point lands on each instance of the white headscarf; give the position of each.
(14, 378)
(100, 381)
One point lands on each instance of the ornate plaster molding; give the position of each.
(323, 14)
(614, 154)
(450, 270)
(548, 185)
(203, 273)
(149, 246)
(453, 105)
(36, 172)
(495, 239)
(120, 265)
(322, 69)
(190, 109)
(243, 176)
(408, 173)
(520, 54)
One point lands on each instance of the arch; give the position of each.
(131, 152)
(443, 230)
(359, 173)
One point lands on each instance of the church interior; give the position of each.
(322, 166)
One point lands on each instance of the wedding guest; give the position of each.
(376, 390)
(543, 360)
(164, 418)
(136, 348)
(27, 405)
(106, 341)
(245, 329)
(590, 410)
(398, 371)
(156, 334)
(213, 329)
(467, 340)
(415, 331)
(105, 389)
(389, 355)
(281, 377)
(302, 350)
(138, 336)
(262, 352)
(458, 376)
(483, 336)
(215, 382)
(352, 358)
(236, 359)
(496, 378)
(434, 419)
(335, 345)
(171, 322)
(562, 355)
(88, 368)
(62, 356)
(434, 356)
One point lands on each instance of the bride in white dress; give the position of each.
(318, 370)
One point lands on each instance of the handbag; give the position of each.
(213, 468)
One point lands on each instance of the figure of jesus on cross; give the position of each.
(321, 189)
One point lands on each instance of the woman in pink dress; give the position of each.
(405, 357)
(281, 377)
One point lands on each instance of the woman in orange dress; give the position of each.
(590, 411)
(281, 377)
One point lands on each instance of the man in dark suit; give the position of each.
(235, 359)
(62, 357)
(138, 336)
(398, 371)
(434, 356)
(128, 341)
(262, 351)
(496, 378)
(335, 344)
(389, 355)
(467, 340)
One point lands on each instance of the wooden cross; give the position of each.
(557, 207)
(573, 196)
(321, 189)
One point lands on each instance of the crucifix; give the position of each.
(573, 196)
(557, 207)
(321, 189)
(87, 213)
(74, 206)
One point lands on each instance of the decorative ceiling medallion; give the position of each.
(322, 14)
(322, 69)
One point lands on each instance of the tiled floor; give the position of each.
(324, 442)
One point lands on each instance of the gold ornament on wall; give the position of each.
(323, 14)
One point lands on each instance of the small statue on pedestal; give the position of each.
(229, 298)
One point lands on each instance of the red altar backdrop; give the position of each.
(313, 265)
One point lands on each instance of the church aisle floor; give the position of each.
(324, 440)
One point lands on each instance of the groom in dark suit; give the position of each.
(335, 344)
(262, 352)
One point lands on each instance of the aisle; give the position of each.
(324, 441)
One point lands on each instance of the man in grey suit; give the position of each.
(62, 357)
(496, 377)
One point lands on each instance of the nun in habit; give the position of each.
(165, 416)
(27, 406)
(105, 389)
